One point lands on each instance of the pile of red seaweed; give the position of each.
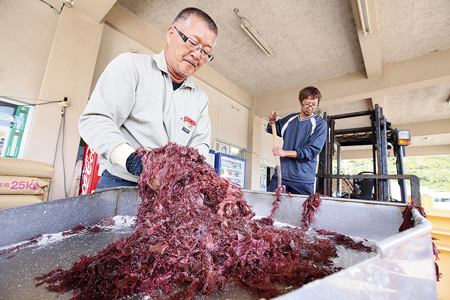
(195, 236)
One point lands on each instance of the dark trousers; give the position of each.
(293, 187)
(107, 180)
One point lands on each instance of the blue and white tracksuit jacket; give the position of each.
(307, 138)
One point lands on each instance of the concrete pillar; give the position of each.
(69, 73)
(253, 156)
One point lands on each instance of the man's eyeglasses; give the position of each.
(310, 105)
(194, 46)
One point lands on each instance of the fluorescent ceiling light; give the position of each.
(364, 16)
(248, 28)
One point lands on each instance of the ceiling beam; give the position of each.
(136, 29)
(380, 100)
(427, 128)
(428, 150)
(419, 72)
(410, 152)
(96, 10)
(431, 129)
(369, 42)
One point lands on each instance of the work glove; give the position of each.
(134, 164)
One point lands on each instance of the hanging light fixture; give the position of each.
(68, 3)
(248, 28)
(363, 11)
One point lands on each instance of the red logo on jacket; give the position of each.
(189, 120)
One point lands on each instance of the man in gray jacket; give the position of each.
(148, 100)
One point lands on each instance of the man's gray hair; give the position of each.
(185, 16)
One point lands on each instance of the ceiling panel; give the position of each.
(316, 41)
(311, 40)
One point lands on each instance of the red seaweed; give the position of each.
(74, 230)
(94, 229)
(195, 236)
(30, 242)
(408, 222)
(346, 241)
(310, 208)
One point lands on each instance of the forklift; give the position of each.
(372, 184)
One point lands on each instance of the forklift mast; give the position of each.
(381, 137)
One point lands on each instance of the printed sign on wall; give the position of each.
(15, 120)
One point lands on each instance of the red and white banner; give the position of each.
(89, 175)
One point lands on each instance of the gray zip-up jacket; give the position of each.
(134, 102)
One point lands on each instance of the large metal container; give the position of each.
(401, 268)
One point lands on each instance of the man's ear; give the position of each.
(170, 33)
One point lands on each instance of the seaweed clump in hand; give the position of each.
(195, 235)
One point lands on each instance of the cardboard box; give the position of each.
(23, 167)
(8, 201)
(16, 185)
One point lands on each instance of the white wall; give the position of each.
(26, 39)
(51, 56)
(42, 57)
(112, 44)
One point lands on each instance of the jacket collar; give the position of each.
(161, 63)
(313, 116)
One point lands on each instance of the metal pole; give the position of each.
(338, 190)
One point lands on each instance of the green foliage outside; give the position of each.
(433, 171)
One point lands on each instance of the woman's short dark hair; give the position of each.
(188, 12)
(309, 91)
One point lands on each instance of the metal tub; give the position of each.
(401, 268)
